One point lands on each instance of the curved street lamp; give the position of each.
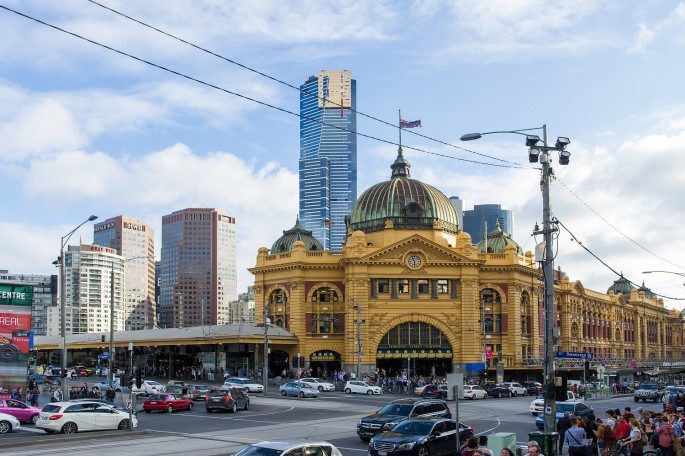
(63, 304)
(541, 153)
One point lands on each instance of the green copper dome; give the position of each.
(296, 233)
(622, 285)
(497, 241)
(408, 203)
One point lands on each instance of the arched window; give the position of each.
(327, 311)
(277, 311)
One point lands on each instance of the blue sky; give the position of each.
(84, 130)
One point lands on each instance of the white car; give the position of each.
(8, 423)
(537, 406)
(318, 384)
(72, 417)
(474, 392)
(357, 386)
(290, 447)
(244, 383)
(147, 387)
(516, 388)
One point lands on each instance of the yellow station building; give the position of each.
(409, 289)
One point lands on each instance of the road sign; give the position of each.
(575, 355)
(600, 370)
(104, 355)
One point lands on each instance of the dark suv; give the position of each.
(227, 399)
(396, 412)
(420, 436)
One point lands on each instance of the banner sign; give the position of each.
(15, 336)
(16, 295)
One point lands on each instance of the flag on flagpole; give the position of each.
(328, 222)
(409, 124)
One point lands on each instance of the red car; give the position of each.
(20, 410)
(165, 402)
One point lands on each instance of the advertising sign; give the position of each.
(15, 327)
(488, 352)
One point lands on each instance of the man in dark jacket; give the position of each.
(563, 425)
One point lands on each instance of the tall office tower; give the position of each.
(44, 297)
(88, 291)
(198, 277)
(475, 221)
(328, 155)
(135, 241)
(459, 207)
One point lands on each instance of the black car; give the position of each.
(532, 388)
(227, 399)
(422, 436)
(434, 392)
(397, 411)
(498, 391)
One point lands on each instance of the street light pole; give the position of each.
(63, 303)
(111, 327)
(543, 153)
(265, 373)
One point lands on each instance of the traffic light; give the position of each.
(560, 391)
(102, 338)
(139, 377)
(587, 369)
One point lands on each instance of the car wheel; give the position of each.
(485, 397)
(247, 405)
(125, 424)
(348, 391)
(283, 393)
(170, 408)
(423, 451)
(5, 427)
(301, 394)
(148, 411)
(190, 406)
(321, 389)
(247, 390)
(34, 419)
(534, 413)
(369, 392)
(69, 428)
(636, 399)
(209, 410)
(498, 395)
(234, 408)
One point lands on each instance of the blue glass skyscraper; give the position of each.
(476, 219)
(328, 155)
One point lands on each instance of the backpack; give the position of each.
(609, 435)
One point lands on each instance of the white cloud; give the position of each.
(665, 28)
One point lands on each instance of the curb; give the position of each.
(73, 438)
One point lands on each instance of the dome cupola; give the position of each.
(408, 203)
(296, 233)
(497, 241)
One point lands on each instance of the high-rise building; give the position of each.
(198, 276)
(44, 296)
(243, 309)
(484, 218)
(328, 154)
(135, 241)
(88, 290)
(459, 207)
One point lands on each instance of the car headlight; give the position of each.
(406, 446)
(389, 426)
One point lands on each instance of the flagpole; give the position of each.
(400, 125)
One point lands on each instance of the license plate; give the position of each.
(382, 453)
(153, 402)
(44, 418)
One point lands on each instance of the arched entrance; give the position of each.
(414, 347)
(279, 362)
(324, 362)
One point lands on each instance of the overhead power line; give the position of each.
(287, 84)
(254, 100)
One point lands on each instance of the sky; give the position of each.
(87, 130)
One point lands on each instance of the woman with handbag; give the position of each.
(648, 425)
(634, 439)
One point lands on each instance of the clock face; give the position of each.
(414, 261)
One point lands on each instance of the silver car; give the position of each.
(290, 448)
(298, 389)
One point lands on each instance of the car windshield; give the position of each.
(156, 397)
(396, 409)
(649, 386)
(254, 450)
(561, 408)
(414, 427)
